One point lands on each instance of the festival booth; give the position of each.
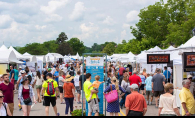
(18, 55)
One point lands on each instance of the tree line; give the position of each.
(159, 25)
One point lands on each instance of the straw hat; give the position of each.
(69, 78)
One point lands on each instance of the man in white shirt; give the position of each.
(77, 86)
(53, 70)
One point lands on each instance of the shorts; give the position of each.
(38, 86)
(78, 89)
(158, 93)
(48, 100)
(29, 104)
(93, 106)
(60, 89)
(142, 87)
(149, 93)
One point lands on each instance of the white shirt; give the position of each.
(53, 71)
(168, 104)
(76, 80)
(3, 110)
(39, 81)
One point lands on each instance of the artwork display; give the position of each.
(158, 58)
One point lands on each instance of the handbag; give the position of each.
(27, 101)
(112, 96)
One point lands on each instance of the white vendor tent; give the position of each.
(18, 55)
(3, 47)
(8, 57)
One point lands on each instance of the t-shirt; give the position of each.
(76, 80)
(56, 74)
(45, 85)
(149, 83)
(45, 73)
(53, 71)
(88, 91)
(68, 87)
(134, 79)
(8, 91)
(143, 78)
(121, 71)
(168, 104)
(16, 73)
(158, 82)
(136, 102)
(80, 80)
(10, 74)
(96, 84)
(61, 83)
(165, 74)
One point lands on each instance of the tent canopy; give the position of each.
(8, 56)
(3, 47)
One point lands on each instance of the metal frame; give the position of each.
(104, 54)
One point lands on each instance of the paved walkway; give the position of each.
(39, 109)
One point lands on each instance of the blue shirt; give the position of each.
(56, 74)
(149, 83)
(143, 78)
(165, 74)
(10, 74)
(16, 73)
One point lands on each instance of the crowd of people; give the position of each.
(67, 82)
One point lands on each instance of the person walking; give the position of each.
(167, 103)
(134, 79)
(4, 109)
(51, 97)
(122, 77)
(38, 81)
(69, 92)
(23, 74)
(16, 74)
(26, 95)
(187, 99)
(158, 83)
(76, 84)
(113, 108)
(149, 88)
(192, 85)
(82, 80)
(93, 106)
(135, 102)
(61, 83)
(8, 92)
(56, 75)
(125, 85)
(11, 76)
(143, 78)
(167, 75)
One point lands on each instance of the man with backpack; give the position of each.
(50, 88)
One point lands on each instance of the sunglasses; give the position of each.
(1, 96)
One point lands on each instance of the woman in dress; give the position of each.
(4, 109)
(25, 95)
(113, 108)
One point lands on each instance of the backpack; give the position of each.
(50, 88)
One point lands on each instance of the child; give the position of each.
(95, 86)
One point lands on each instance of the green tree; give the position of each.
(65, 49)
(76, 45)
(110, 48)
(51, 46)
(61, 38)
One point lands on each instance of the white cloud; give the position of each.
(40, 27)
(106, 31)
(53, 18)
(109, 21)
(53, 5)
(126, 25)
(78, 11)
(123, 34)
(5, 21)
(132, 16)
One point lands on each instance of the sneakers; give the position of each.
(58, 114)
(79, 102)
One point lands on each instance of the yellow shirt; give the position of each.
(88, 91)
(186, 97)
(45, 85)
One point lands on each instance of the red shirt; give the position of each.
(134, 79)
(135, 102)
(8, 91)
(121, 71)
(25, 93)
(68, 90)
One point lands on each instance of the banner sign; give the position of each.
(158, 58)
(189, 59)
(95, 66)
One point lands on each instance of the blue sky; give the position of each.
(92, 21)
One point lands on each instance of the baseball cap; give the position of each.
(49, 69)
(134, 86)
(189, 76)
